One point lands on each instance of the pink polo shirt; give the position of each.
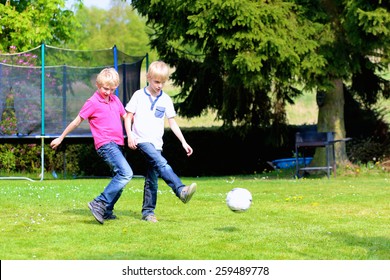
(104, 119)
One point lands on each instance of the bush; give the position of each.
(7, 161)
(364, 150)
(216, 152)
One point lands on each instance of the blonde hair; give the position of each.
(158, 69)
(108, 77)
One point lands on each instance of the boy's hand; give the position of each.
(132, 143)
(188, 149)
(55, 143)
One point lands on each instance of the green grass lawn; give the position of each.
(343, 218)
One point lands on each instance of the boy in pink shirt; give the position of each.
(105, 112)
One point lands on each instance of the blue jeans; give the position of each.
(113, 155)
(157, 166)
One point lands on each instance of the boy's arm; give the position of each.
(74, 124)
(177, 131)
(128, 125)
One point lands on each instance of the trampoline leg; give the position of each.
(42, 158)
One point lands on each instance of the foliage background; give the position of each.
(217, 151)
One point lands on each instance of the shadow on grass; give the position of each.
(227, 229)
(378, 247)
(87, 212)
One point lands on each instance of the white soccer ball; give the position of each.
(239, 200)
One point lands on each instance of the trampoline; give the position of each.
(46, 87)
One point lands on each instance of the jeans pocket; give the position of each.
(101, 151)
(160, 111)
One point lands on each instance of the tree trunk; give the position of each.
(331, 118)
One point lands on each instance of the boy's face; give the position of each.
(106, 90)
(156, 84)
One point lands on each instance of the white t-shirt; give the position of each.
(149, 116)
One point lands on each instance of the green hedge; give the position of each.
(216, 152)
(226, 152)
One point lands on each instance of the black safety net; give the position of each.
(54, 83)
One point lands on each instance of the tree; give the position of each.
(239, 57)
(26, 24)
(246, 58)
(102, 29)
(355, 43)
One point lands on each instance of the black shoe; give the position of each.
(109, 216)
(98, 208)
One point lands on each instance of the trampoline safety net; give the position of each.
(46, 87)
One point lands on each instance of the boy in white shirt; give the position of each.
(144, 125)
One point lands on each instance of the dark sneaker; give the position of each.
(98, 209)
(187, 193)
(109, 216)
(150, 218)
